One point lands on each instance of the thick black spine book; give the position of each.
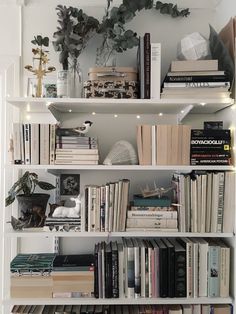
(147, 65)
(163, 266)
(108, 271)
(115, 270)
(195, 78)
(96, 287)
(180, 270)
(170, 268)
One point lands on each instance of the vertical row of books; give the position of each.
(149, 65)
(105, 206)
(163, 144)
(46, 144)
(162, 268)
(188, 76)
(124, 309)
(206, 201)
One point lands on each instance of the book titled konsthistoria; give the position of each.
(210, 147)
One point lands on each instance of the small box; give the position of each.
(111, 82)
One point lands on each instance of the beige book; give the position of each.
(147, 144)
(162, 143)
(229, 202)
(222, 308)
(194, 65)
(139, 143)
(186, 136)
(175, 309)
(176, 143)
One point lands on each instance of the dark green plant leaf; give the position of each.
(45, 41)
(45, 185)
(9, 200)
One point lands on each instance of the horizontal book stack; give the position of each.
(124, 309)
(210, 147)
(50, 275)
(206, 201)
(162, 268)
(74, 148)
(152, 214)
(105, 207)
(62, 224)
(195, 79)
(149, 64)
(163, 144)
(73, 276)
(33, 143)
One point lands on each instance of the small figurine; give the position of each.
(52, 207)
(84, 128)
(147, 192)
(63, 211)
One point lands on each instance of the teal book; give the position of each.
(138, 200)
(213, 270)
(24, 263)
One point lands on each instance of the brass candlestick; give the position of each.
(42, 57)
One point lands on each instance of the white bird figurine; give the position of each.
(84, 128)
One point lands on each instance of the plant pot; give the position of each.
(32, 208)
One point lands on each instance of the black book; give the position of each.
(108, 271)
(76, 309)
(163, 266)
(68, 309)
(77, 262)
(83, 309)
(98, 309)
(115, 270)
(195, 78)
(180, 269)
(96, 287)
(147, 65)
(170, 268)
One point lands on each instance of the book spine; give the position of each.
(52, 143)
(115, 274)
(107, 208)
(153, 137)
(224, 271)
(17, 143)
(152, 223)
(137, 279)
(197, 84)
(195, 78)
(146, 214)
(108, 273)
(180, 274)
(203, 251)
(27, 143)
(34, 144)
(147, 65)
(213, 271)
(163, 272)
(141, 66)
(171, 271)
(77, 151)
(130, 272)
(96, 288)
(155, 70)
(102, 207)
(220, 210)
(161, 202)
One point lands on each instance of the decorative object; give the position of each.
(52, 207)
(159, 192)
(84, 128)
(116, 38)
(63, 211)
(193, 47)
(40, 59)
(74, 30)
(32, 206)
(69, 184)
(220, 52)
(121, 153)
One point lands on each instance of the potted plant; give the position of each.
(116, 38)
(30, 203)
(74, 31)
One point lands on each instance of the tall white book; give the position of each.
(34, 144)
(44, 144)
(155, 70)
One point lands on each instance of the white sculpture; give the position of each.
(193, 47)
(63, 211)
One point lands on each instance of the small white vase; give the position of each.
(63, 82)
(75, 80)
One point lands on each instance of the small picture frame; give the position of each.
(49, 87)
(69, 184)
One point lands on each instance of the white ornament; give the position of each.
(121, 153)
(193, 47)
(63, 211)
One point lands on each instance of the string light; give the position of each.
(138, 117)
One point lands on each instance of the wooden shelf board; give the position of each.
(126, 106)
(125, 301)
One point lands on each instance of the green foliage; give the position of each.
(74, 30)
(26, 185)
(115, 37)
(40, 41)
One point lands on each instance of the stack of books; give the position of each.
(195, 79)
(62, 224)
(152, 268)
(210, 147)
(73, 276)
(74, 148)
(163, 144)
(151, 213)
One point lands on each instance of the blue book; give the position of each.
(138, 200)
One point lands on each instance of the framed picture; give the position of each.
(49, 87)
(69, 184)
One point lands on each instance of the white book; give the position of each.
(220, 209)
(17, 156)
(155, 70)
(142, 267)
(34, 144)
(224, 268)
(44, 144)
(121, 270)
(229, 202)
(76, 157)
(154, 145)
(194, 206)
(175, 309)
(196, 308)
(111, 206)
(146, 214)
(203, 253)
(215, 201)
(52, 143)
(92, 194)
(75, 162)
(195, 269)
(98, 210)
(77, 151)
(116, 200)
(107, 199)
(209, 202)
(27, 143)
(206, 308)
(152, 223)
(199, 200)
(187, 309)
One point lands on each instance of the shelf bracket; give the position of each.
(54, 112)
(183, 113)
